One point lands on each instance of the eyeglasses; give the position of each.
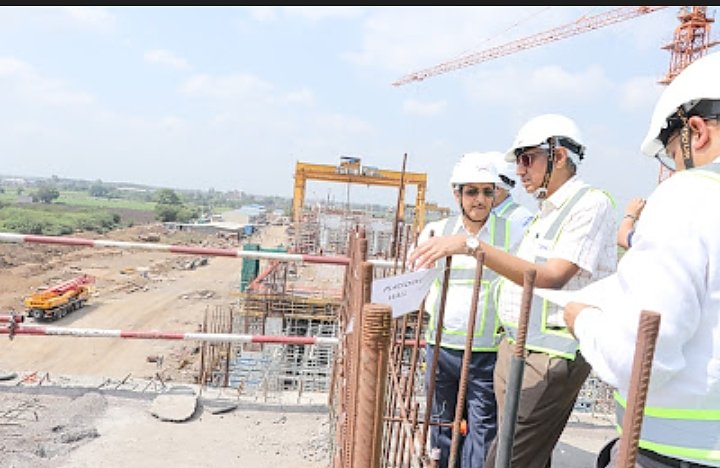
(663, 156)
(474, 192)
(525, 158)
(666, 160)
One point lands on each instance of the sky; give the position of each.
(231, 98)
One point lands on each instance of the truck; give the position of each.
(55, 302)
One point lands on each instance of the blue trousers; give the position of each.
(480, 409)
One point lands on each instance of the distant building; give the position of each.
(236, 216)
(257, 214)
(132, 189)
(15, 181)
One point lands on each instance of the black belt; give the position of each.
(669, 461)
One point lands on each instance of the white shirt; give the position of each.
(587, 239)
(459, 297)
(673, 268)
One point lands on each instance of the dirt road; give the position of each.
(137, 291)
(42, 426)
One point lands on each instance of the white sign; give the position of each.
(404, 293)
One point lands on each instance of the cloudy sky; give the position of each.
(231, 98)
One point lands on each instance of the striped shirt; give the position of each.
(587, 239)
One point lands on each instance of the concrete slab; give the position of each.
(176, 405)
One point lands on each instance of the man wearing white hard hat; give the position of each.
(673, 268)
(569, 243)
(473, 183)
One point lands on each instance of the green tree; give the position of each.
(169, 206)
(46, 194)
(98, 189)
(168, 197)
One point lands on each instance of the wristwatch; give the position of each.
(472, 244)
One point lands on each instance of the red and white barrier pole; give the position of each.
(12, 318)
(8, 237)
(159, 335)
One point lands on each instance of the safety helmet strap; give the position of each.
(685, 134)
(542, 191)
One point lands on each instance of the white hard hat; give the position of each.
(474, 168)
(505, 170)
(697, 82)
(540, 129)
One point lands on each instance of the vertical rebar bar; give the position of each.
(648, 328)
(395, 246)
(375, 342)
(515, 376)
(435, 357)
(467, 358)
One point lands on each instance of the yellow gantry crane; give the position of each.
(350, 170)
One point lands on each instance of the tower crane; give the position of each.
(691, 40)
(585, 23)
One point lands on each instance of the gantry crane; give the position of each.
(351, 170)
(691, 41)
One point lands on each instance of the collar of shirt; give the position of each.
(460, 228)
(561, 195)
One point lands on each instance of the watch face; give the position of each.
(472, 243)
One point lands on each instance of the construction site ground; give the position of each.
(85, 402)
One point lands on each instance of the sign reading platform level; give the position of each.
(404, 293)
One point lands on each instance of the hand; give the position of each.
(570, 313)
(635, 207)
(426, 254)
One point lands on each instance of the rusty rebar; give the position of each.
(375, 343)
(648, 328)
(358, 292)
(466, 360)
(438, 337)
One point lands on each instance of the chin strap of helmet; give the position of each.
(541, 192)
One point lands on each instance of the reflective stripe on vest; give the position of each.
(508, 209)
(677, 432)
(487, 323)
(554, 341)
(688, 434)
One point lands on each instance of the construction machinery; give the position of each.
(55, 302)
(352, 171)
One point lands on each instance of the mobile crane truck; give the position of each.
(55, 302)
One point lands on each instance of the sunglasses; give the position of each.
(526, 158)
(474, 192)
